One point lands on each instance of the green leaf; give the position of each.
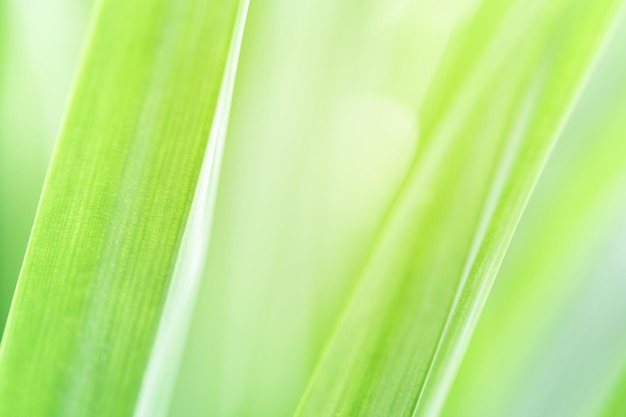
(116, 201)
(550, 340)
(401, 337)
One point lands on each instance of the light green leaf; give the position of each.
(116, 201)
(402, 335)
(550, 341)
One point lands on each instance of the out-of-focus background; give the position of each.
(40, 44)
(551, 339)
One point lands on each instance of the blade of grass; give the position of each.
(525, 353)
(402, 334)
(115, 204)
(581, 36)
(549, 355)
(160, 376)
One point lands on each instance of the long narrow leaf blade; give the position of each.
(114, 208)
(399, 342)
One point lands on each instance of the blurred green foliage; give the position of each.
(367, 140)
(40, 45)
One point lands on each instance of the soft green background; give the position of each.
(307, 182)
(40, 43)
